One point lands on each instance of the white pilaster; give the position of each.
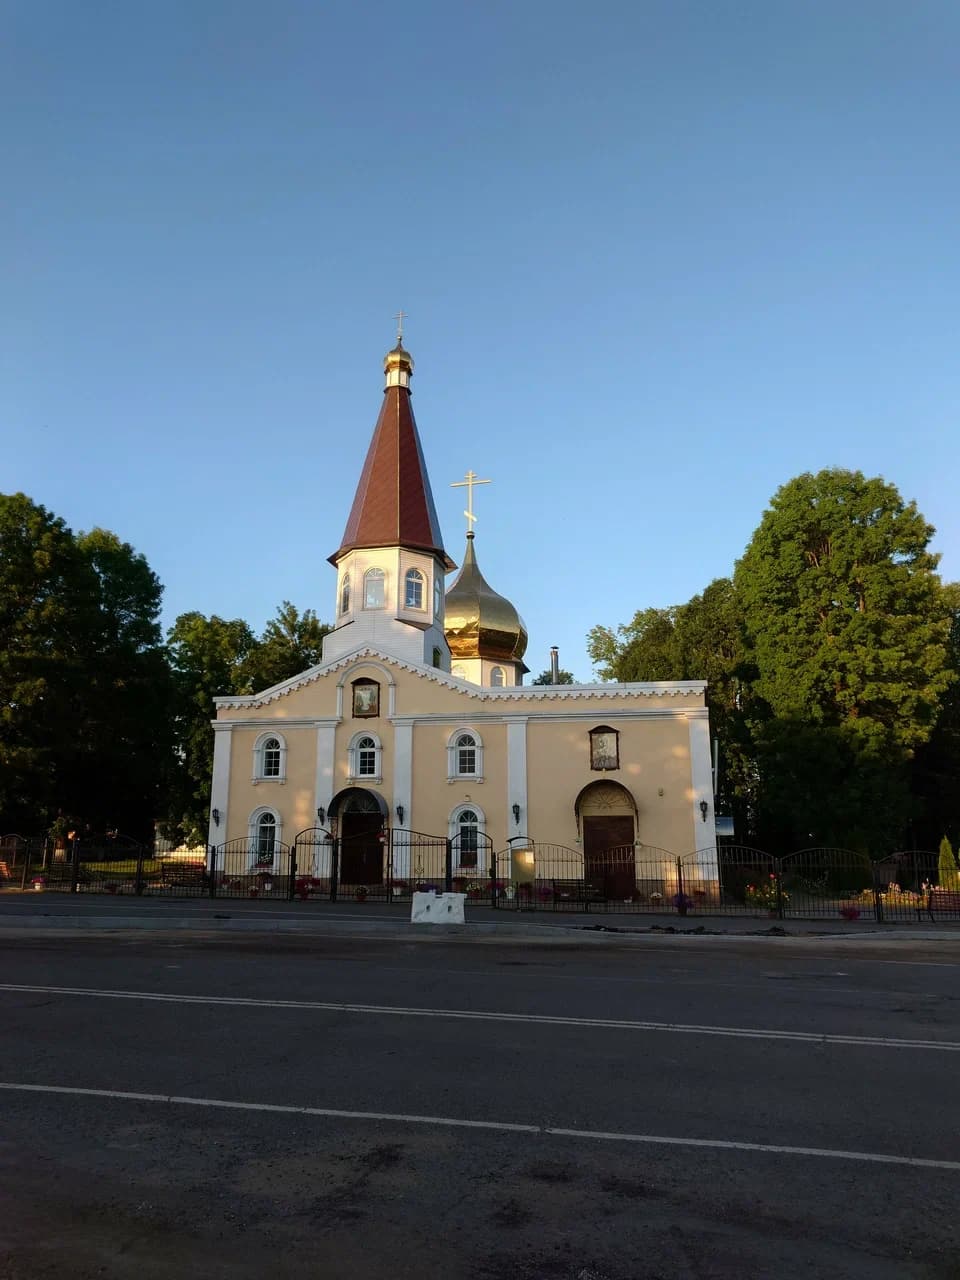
(701, 778)
(326, 762)
(402, 790)
(517, 776)
(220, 783)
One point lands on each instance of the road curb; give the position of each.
(16, 925)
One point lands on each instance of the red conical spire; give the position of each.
(393, 506)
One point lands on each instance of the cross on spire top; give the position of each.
(400, 317)
(467, 483)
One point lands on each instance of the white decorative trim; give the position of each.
(510, 693)
(326, 765)
(701, 781)
(453, 760)
(403, 771)
(220, 782)
(517, 775)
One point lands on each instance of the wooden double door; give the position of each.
(609, 862)
(361, 848)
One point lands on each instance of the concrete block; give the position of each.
(437, 908)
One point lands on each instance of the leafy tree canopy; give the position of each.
(847, 619)
(546, 677)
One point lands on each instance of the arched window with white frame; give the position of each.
(413, 587)
(467, 823)
(264, 830)
(270, 757)
(496, 678)
(374, 589)
(345, 594)
(365, 762)
(465, 754)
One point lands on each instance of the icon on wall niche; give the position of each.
(366, 698)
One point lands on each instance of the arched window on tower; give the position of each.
(374, 589)
(413, 589)
(437, 596)
(345, 594)
(496, 678)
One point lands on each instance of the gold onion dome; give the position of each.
(479, 623)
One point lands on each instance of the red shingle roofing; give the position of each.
(393, 505)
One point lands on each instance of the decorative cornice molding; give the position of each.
(536, 693)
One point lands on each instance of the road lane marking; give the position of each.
(502, 1126)
(537, 1019)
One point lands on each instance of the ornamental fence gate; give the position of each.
(389, 865)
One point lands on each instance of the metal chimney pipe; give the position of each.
(554, 664)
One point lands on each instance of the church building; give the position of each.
(416, 727)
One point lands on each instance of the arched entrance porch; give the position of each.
(361, 818)
(606, 816)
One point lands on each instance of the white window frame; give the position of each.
(458, 671)
(253, 828)
(415, 575)
(258, 757)
(453, 758)
(454, 831)
(375, 573)
(438, 600)
(353, 758)
(503, 678)
(344, 601)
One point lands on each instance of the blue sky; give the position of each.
(658, 258)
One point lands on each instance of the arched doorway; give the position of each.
(361, 817)
(606, 815)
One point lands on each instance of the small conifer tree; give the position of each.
(948, 873)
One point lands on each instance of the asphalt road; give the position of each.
(231, 1105)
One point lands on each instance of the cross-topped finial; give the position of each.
(467, 483)
(400, 317)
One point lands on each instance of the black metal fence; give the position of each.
(725, 880)
(390, 865)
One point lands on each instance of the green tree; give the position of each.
(948, 873)
(936, 765)
(44, 597)
(209, 658)
(848, 626)
(125, 728)
(291, 642)
(83, 682)
(546, 677)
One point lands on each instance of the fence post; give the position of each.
(448, 867)
(292, 888)
(877, 895)
(26, 869)
(334, 868)
(493, 878)
(138, 874)
(75, 866)
(779, 891)
(681, 896)
(213, 871)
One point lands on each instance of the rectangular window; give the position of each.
(467, 760)
(367, 762)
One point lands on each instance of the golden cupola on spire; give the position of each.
(486, 634)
